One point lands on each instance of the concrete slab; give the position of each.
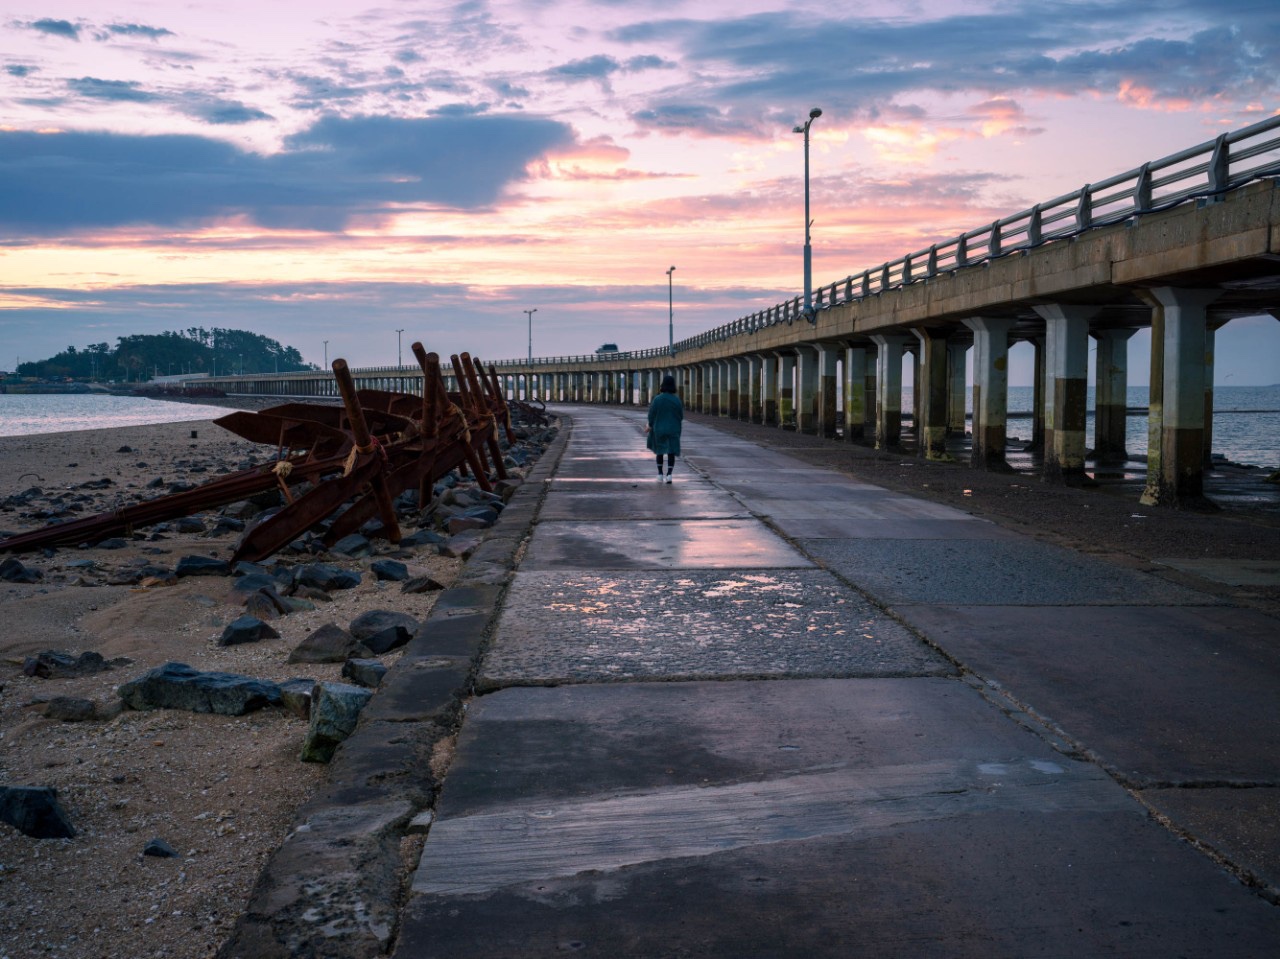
(563, 627)
(1242, 825)
(847, 527)
(659, 544)
(823, 818)
(996, 572)
(864, 504)
(1174, 695)
(648, 500)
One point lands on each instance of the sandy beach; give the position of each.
(221, 791)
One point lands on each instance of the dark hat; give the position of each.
(668, 384)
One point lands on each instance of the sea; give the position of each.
(22, 414)
(1246, 423)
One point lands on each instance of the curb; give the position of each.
(334, 886)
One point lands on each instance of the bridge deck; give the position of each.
(711, 726)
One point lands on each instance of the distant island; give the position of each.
(146, 357)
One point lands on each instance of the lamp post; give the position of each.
(399, 354)
(326, 354)
(529, 314)
(808, 247)
(242, 364)
(671, 316)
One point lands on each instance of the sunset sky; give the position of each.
(340, 170)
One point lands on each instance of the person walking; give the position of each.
(666, 418)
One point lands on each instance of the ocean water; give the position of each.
(22, 414)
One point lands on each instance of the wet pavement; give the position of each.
(770, 710)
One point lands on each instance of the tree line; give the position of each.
(142, 357)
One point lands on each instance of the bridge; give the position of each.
(1181, 245)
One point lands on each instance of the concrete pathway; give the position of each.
(769, 710)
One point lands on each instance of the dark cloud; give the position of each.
(338, 171)
(19, 70)
(599, 67)
(126, 90)
(649, 62)
(56, 28)
(138, 30)
(225, 112)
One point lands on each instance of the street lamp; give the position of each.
(529, 314)
(671, 316)
(326, 354)
(399, 354)
(242, 364)
(808, 247)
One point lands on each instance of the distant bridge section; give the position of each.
(1181, 245)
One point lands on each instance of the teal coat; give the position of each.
(666, 417)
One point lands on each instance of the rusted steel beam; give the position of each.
(367, 447)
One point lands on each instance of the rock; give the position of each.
(506, 488)
(423, 537)
(312, 593)
(34, 811)
(69, 709)
(51, 663)
(227, 524)
(335, 710)
(328, 644)
(12, 571)
(189, 524)
(242, 587)
(463, 544)
(295, 696)
(202, 566)
(421, 584)
(158, 847)
(461, 524)
(246, 629)
(364, 672)
(179, 686)
(114, 542)
(383, 630)
(355, 546)
(260, 606)
(326, 577)
(389, 569)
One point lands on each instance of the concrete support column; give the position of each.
(990, 390)
(1211, 336)
(916, 392)
(709, 395)
(769, 390)
(1111, 394)
(1066, 389)
(647, 386)
(1037, 395)
(728, 387)
(786, 390)
(888, 390)
(957, 386)
(754, 411)
(931, 424)
(869, 421)
(1179, 479)
(807, 389)
(855, 392)
(827, 393)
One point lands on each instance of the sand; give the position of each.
(221, 791)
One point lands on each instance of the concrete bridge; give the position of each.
(1181, 245)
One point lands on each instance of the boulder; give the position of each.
(189, 524)
(383, 630)
(12, 571)
(461, 524)
(328, 644)
(326, 577)
(246, 629)
(179, 686)
(68, 709)
(364, 672)
(355, 546)
(423, 537)
(34, 811)
(202, 566)
(158, 847)
(52, 663)
(335, 710)
(260, 606)
(389, 569)
(295, 696)
(462, 545)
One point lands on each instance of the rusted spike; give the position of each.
(475, 458)
(365, 446)
(506, 410)
(487, 414)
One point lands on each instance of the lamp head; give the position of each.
(815, 113)
(797, 129)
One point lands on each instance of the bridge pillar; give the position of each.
(1037, 395)
(827, 400)
(806, 395)
(746, 383)
(869, 420)
(990, 390)
(769, 389)
(1111, 389)
(957, 386)
(931, 422)
(913, 350)
(1177, 479)
(855, 392)
(786, 389)
(724, 391)
(1066, 389)
(888, 389)
(647, 386)
(1211, 336)
(755, 397)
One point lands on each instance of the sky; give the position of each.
(338, 171)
